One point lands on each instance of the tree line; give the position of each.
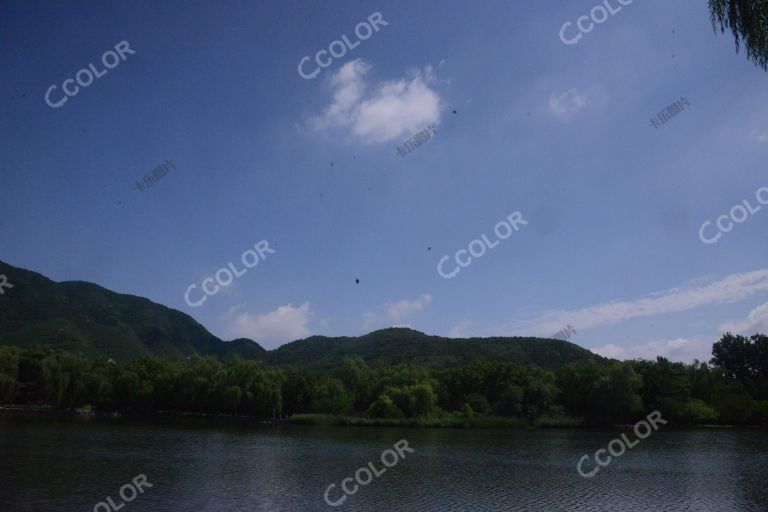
(731, 389)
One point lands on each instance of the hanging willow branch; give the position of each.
(748, 20)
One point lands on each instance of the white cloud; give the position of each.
(566, 104)
(400, 310)
(459, 330)
(393, 110)
(685, 350)
(679, 349)
(230, 313)
(730, 289)
(271, 329)
(756, 322)
(369, 320)
(760, 136)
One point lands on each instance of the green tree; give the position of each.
(415, 400)
(478, 403)
(54, 380)
(356, 377)
(510, 401)
(298, 390)
(133, 393)
(697, 412)
(9, 373)
(332, 398)
(744, 360)
(232, 397)
(666, 387)
(748, 21)
(384, 407)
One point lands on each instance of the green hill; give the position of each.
(399, 346)
(92, 321)
(88, 320)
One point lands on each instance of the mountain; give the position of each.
(400, 345)
(92, 321)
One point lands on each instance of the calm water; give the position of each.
(69, 465)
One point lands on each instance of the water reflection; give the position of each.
(65, 465)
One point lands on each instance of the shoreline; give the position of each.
(325, 420)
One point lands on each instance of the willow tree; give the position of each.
(748, 21)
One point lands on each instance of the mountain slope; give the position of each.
(399, 345)
(92, 321)
(89, 320)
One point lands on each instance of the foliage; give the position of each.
(748, 21)
(744, 360)
(92, 322)
(732, 391)
(88, 320)
(384, 407)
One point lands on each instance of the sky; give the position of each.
(562, 152)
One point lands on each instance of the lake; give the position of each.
(72, 465)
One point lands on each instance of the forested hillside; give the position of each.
(90, 321)
(586, 393)
(406, 346)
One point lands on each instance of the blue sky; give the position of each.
(560, 133)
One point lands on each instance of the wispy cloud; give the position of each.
(459, 330)
(392, 110)
(394, 314)
(756, 322)
(370, 319)
(273, 328)
(566, 104)
(685, 350)
(399, 311)
(760, 135)
(730, 289)
(679, 349)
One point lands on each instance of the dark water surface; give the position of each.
(70, 465)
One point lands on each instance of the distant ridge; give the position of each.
(400, 346)
(91, 321)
